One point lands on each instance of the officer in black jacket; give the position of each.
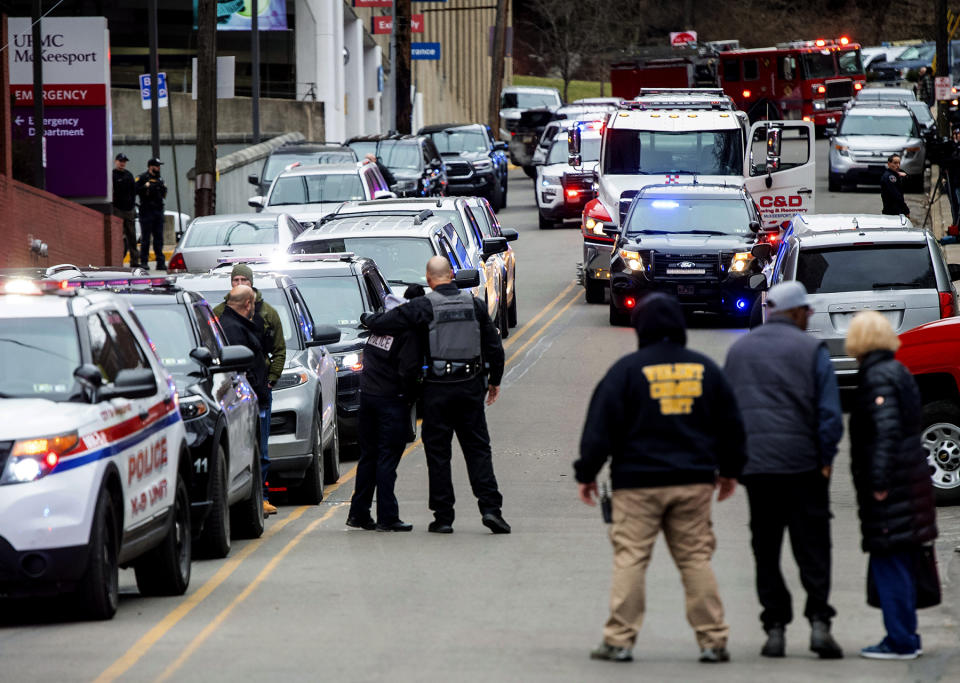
(388, 385)
(124, 206)
(891, 188)
(152, 192)
(237, 322)
(464, 363)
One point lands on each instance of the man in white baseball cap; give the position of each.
(788, 396)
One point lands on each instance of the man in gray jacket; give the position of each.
(788, 396)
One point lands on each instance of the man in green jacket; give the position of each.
(265, 317)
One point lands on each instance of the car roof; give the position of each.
(588, 134)
(239, 218)
(322, 169)
(530, 88)
(664, 120)
(391, 225)
(870, 109)
(306, 146)
(332, 268)
(695, 191)
(147, 297)
(54, 304)
(894, 93)
(199, 282)
(400, 203)
(845, 229)
(438, 127)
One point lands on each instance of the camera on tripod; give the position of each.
(942, 151)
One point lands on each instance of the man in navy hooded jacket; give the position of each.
(668, 420)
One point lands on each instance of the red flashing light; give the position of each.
(947, 307)
(64, 284)
(572, 193)
(177, 264)
(844, 40)
(629, 302)
(807, 118)
(820, 42)
(746, 94)
(821, 89)
(858, 86)
(51, 460)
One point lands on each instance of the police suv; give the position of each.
(91, 450)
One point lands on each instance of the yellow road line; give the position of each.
(244, 594)
(543, 328)
(543, 311)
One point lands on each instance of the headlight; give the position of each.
(911, 151)
(595, 226)
(843, 150)
(741, 261)
(192, 407)
(291, 379)
(819, 105)
(631, 259)
(32, 459)
(350, 361)
(406, 185)
(482, 165)
(549, 181)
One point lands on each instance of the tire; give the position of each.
(99, 591)
(496, 197)
(544, 223)
(165, 570)
(503, 193)
(246, 516)
(502, 319)
(941, 442)
(310, 492)
(618, 319)
(833, 182)
(331, 459)
(512, 308)
(594, 291)
(531, 171)
(214, 541)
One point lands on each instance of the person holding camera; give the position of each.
(152, 192)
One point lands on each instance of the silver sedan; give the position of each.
(209, 239)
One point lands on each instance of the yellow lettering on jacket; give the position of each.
(675, 386)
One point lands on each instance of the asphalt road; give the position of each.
(313, 600)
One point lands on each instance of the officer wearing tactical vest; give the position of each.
(464, 363)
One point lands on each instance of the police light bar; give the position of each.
(681, 91)
(115, 284)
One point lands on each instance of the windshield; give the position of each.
(865, 124)
(231, 233)
(589, 150)
(917, 52)
(460, 140)
(316, 189)
(819, 64)
(850, 62)
(276, 163)
(860, 269)
(727, 216)
(400, 155)
(400, 259)
(169, 330)
(708, 152)
(38, 357)
(921, 111)
(528, 100)
(332, 300)
(363, 147)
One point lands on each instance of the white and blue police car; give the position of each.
(91, 450)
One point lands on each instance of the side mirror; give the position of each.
(501, 145)
(89, 377)
(754, 226)
(494, 245)
(131, 383)
(954, 269)
(257, 202)
(435, 163)
(253, 179)
(773, 142)
(202, 355)
(758, 282)
(573, 145)
(234, 358)
(467, 278)
(510, 234)
(323, 335)
(384, 194)
(762, 251)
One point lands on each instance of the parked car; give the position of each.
(308, 193)
(490, 227)
(852, 263)
(414, 161)
(884, 95)
(555, 128)
(561, 190)
(896, 71)
(475, 163)
(211, 238)
(304, 444)
(524, 111)
(306, 154)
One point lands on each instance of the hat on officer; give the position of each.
(786, 296)
(122, 157)
(154, 161)
(243, 270)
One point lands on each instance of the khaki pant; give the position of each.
(683, 512)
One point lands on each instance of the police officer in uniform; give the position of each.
(124, 205)
(464, 364)
(891, 188)
(392, 366)
(152, 192)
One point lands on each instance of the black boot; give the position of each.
(776, 645)
(822, 642)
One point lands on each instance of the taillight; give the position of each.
(594, 216)
(947, 307)
(177, 264)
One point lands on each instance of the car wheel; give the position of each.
(941, 442)
(512, 309)
(594, 291)
(833, 182)
(495, 197)
(503, 193)
(531, 171)
(310, 492)
(214, 540)
(331, 458)
(544, 223)
(165, 570)
(503, 322)
(247, 515)
(618, 318)
(99, 587)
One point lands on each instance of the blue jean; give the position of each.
(893, 576)
(384, 424)
(264, 439)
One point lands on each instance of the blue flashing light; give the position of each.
(741, 304)
(664, 204)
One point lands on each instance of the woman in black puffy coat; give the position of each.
(892, 478)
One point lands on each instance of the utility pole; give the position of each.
(39, 141)
(255, 69)
(206, 164)
(497, 68)
(401, 27)
(154, 81)
(943, 61)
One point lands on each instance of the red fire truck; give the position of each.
(808, 79)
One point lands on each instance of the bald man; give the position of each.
(464, 364)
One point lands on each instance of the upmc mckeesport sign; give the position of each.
(76, 98)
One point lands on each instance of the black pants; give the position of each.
(384, 424)
(129, 235)
(457, 408)
(799, 503)
(151, 226)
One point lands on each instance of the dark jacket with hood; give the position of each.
(886, 455)
(271, 329)
(664, 414)
(244, 332)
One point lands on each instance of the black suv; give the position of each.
(306, 153)
(476, 163)
(416, 165)
(692, 241)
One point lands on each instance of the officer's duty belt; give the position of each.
(448, 369)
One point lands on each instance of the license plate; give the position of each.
(686, 271)
(685, 290)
